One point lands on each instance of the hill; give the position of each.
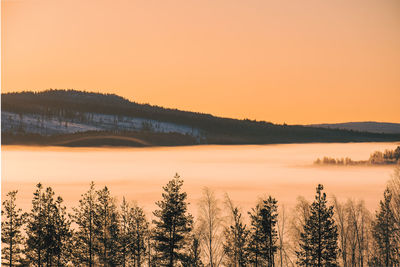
(366, 126)
(70, 117)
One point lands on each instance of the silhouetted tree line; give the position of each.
(99, 232)
(218, 130)
(376, 158)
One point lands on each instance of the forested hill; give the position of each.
(364, 126)
(55, 117)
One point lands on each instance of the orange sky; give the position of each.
(290, 61)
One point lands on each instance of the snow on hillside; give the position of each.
(35, 123)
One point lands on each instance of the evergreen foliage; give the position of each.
(236, 241)
(48, 230)
(193, 256)
(63, 234)
(109, 235)
(134, 234)
(11, 236)
(173, 224)
(384, 232)
(124, 237)
(106, 229)
(139, 228)
(84, 237)
(74, 105)
(318, 241)
(263, 237)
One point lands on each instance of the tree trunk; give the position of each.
(11, 254)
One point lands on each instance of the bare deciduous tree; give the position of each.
(298, 218)
(353, 221)
(211, 225)
(394, 187)
(341, 221)
(283, 257)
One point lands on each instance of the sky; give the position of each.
(283, 61)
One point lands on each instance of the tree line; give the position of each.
(376, 158)
(101, 232)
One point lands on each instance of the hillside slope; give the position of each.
(52, 116)
(366, 126)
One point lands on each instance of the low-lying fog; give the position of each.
(244, 172)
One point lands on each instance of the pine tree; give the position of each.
(318, 241)
(255, 240)
(84, 237)
(150, 248)
(134, 230)
(35, 229)
(47, 230)
(106, 228)
(172, 224)
(124, 238)
(11, 237)
(236, 241)
(384, 233)
(263, 233)
(193, 255)
(63, 234)
(50, 228)
(138, 231)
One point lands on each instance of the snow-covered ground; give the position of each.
(35, 123)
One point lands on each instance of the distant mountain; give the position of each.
(366, 126)
(76, 118)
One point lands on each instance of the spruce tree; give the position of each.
(106, 228)
(11, 237)
(84, 236)
(318, 240)
(263, 233)
(384, 233)
(172, 224)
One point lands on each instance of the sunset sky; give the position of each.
(304, 61)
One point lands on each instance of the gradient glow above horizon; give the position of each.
(280, 61)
